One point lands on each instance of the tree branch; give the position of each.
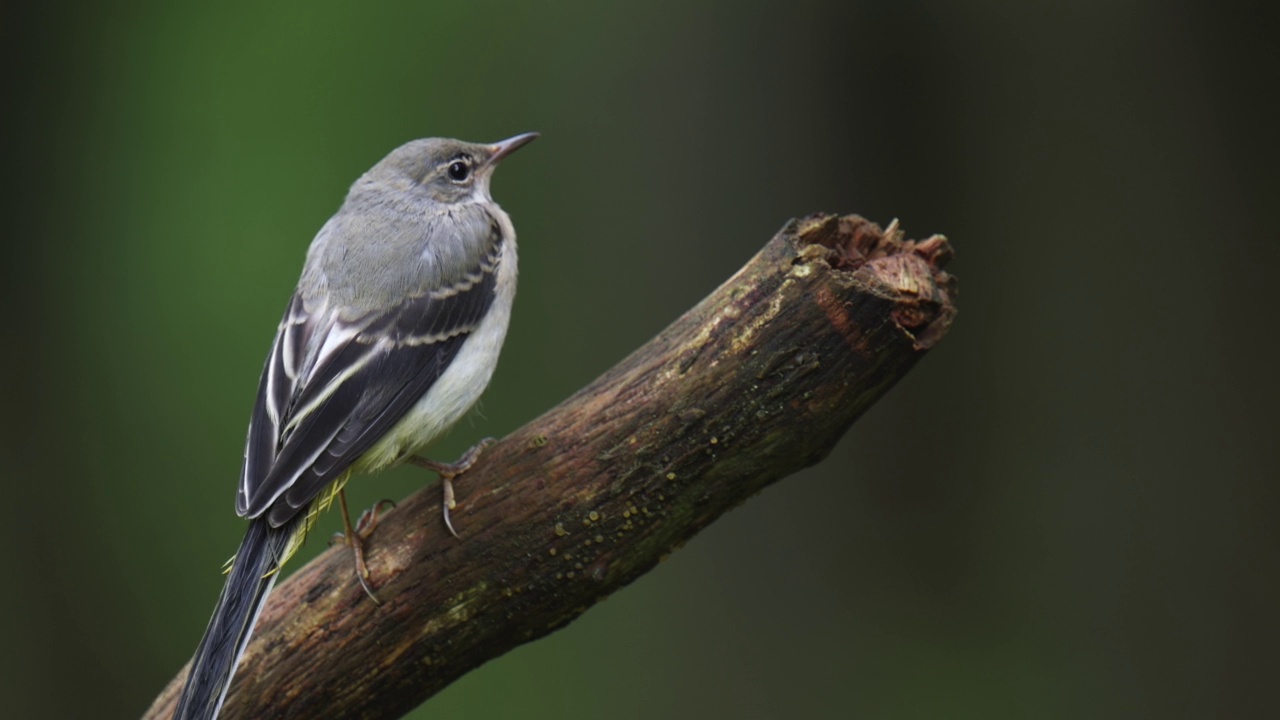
(756, 382)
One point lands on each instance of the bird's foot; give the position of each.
(356, 536)
(449, 471)
(369, 519)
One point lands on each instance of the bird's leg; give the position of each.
(449, 471)
(365, 524)
(355, 537)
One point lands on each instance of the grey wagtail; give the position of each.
(390, 338)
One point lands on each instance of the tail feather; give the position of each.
(252, 575)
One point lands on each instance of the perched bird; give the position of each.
(391, 336)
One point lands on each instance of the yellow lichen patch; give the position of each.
(694, 346)
(560, 531)
(458, 610)
(743, 338)
(593, 516)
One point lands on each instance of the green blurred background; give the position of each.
(1063, 512)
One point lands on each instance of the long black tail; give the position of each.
(253, 572)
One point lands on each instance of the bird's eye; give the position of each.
(459, 171)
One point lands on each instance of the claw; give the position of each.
(449, 471)
(449, 504)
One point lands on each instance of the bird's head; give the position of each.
(448, 170)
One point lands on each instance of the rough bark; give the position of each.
(756, 382)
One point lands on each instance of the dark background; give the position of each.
(1063, 512)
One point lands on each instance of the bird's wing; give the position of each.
(317, 412)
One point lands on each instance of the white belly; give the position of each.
(458, 388)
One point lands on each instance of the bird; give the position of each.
(390, 338)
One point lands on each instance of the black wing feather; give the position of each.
(365, 428)
(400, 354)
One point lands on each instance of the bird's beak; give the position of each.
(504, 148)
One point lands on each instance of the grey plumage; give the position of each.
(390, 338)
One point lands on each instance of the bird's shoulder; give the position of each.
(369, 258)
